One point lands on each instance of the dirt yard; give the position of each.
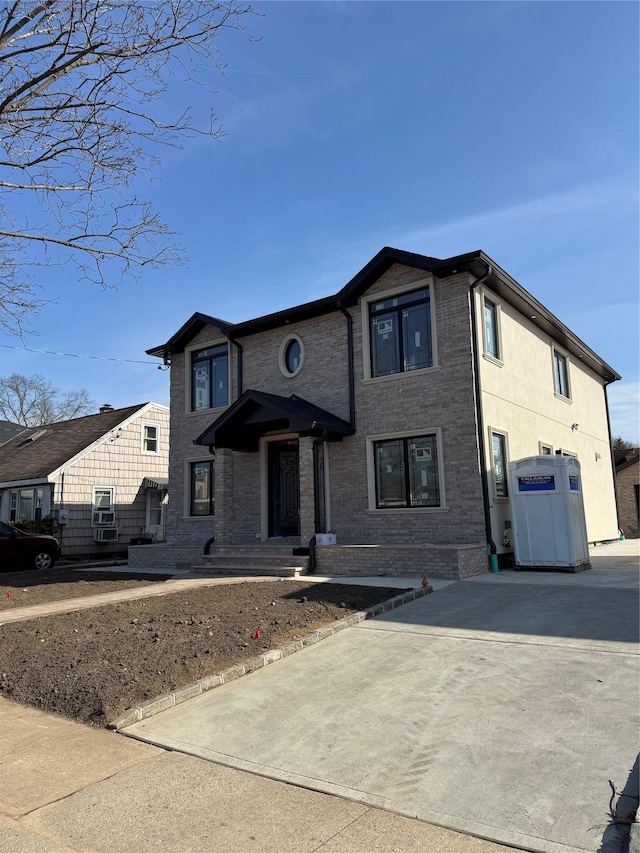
(21, 589)
(94, 664)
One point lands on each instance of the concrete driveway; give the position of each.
(500, 706)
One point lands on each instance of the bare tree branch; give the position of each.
(78, 81)
(34, 401)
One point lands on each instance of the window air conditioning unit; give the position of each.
(105, 534)
(102, 517)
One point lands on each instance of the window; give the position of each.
(202, 489)
(150, 438)
(210, 378)
(291, 356)
(498, 443)
(407, 472)
(400, 333)
(491, 342)
(560, 374)
(545, 449)
(25, 505)
(103, 499)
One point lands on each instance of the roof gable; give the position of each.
(476, 264)
(255, 413)
(38, 451)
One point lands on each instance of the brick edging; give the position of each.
(176, 697)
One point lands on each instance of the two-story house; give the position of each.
(386, 413)
(102, 478)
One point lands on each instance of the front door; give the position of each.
(155, 514)
(283, 488)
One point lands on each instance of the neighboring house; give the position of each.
(628, 490)
(387, 414)
(8, 430)
(102, 477)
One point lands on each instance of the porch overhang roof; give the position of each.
(256, 413)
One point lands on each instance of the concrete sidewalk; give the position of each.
(66, 788)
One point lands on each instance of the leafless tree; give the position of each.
(79, 81)
(33, 401)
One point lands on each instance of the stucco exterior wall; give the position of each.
(117, 462)
(519, 399)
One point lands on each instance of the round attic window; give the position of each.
(291, 355)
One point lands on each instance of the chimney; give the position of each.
(107, 407)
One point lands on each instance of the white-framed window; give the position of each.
(561, 374)
(545, 449)
(25, 504)
(399, 331)
(103, 505)
(201, 488)
(291, 356)
(499, 458)
(405, 471)
(209, 372)
(491, 328)
(150, 438)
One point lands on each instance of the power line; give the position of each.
(75, 355)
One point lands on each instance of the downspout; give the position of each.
(352, 399)
(493, 558)
(238, 346)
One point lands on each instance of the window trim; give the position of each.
(496, 359)
(494, 488)
(420, 284)
(14, 505)
(143, 438)
(371, 471)
(282, 353)
(188, 491)
(555, 350)
(100, 488)
(541, 452)
(188, 354)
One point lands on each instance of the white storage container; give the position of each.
(549, 528)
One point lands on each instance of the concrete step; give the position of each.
(250, 559)
(253, 570)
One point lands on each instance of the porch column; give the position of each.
(223, 520)
(307, 507)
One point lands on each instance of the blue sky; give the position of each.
(438, 128)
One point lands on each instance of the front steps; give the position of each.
(253, 561)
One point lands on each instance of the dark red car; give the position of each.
(19, 549)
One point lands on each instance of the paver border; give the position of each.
(210, 682)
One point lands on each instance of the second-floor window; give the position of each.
(400, 333)
(560, 374)
(491, 343)
(150, 438)
(210, 378)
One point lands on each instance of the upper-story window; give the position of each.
(400, 333)
(291, 356)
(210, 378)
(561, 374)
(150, 438)
(491, 339)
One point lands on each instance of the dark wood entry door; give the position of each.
(284, 488)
